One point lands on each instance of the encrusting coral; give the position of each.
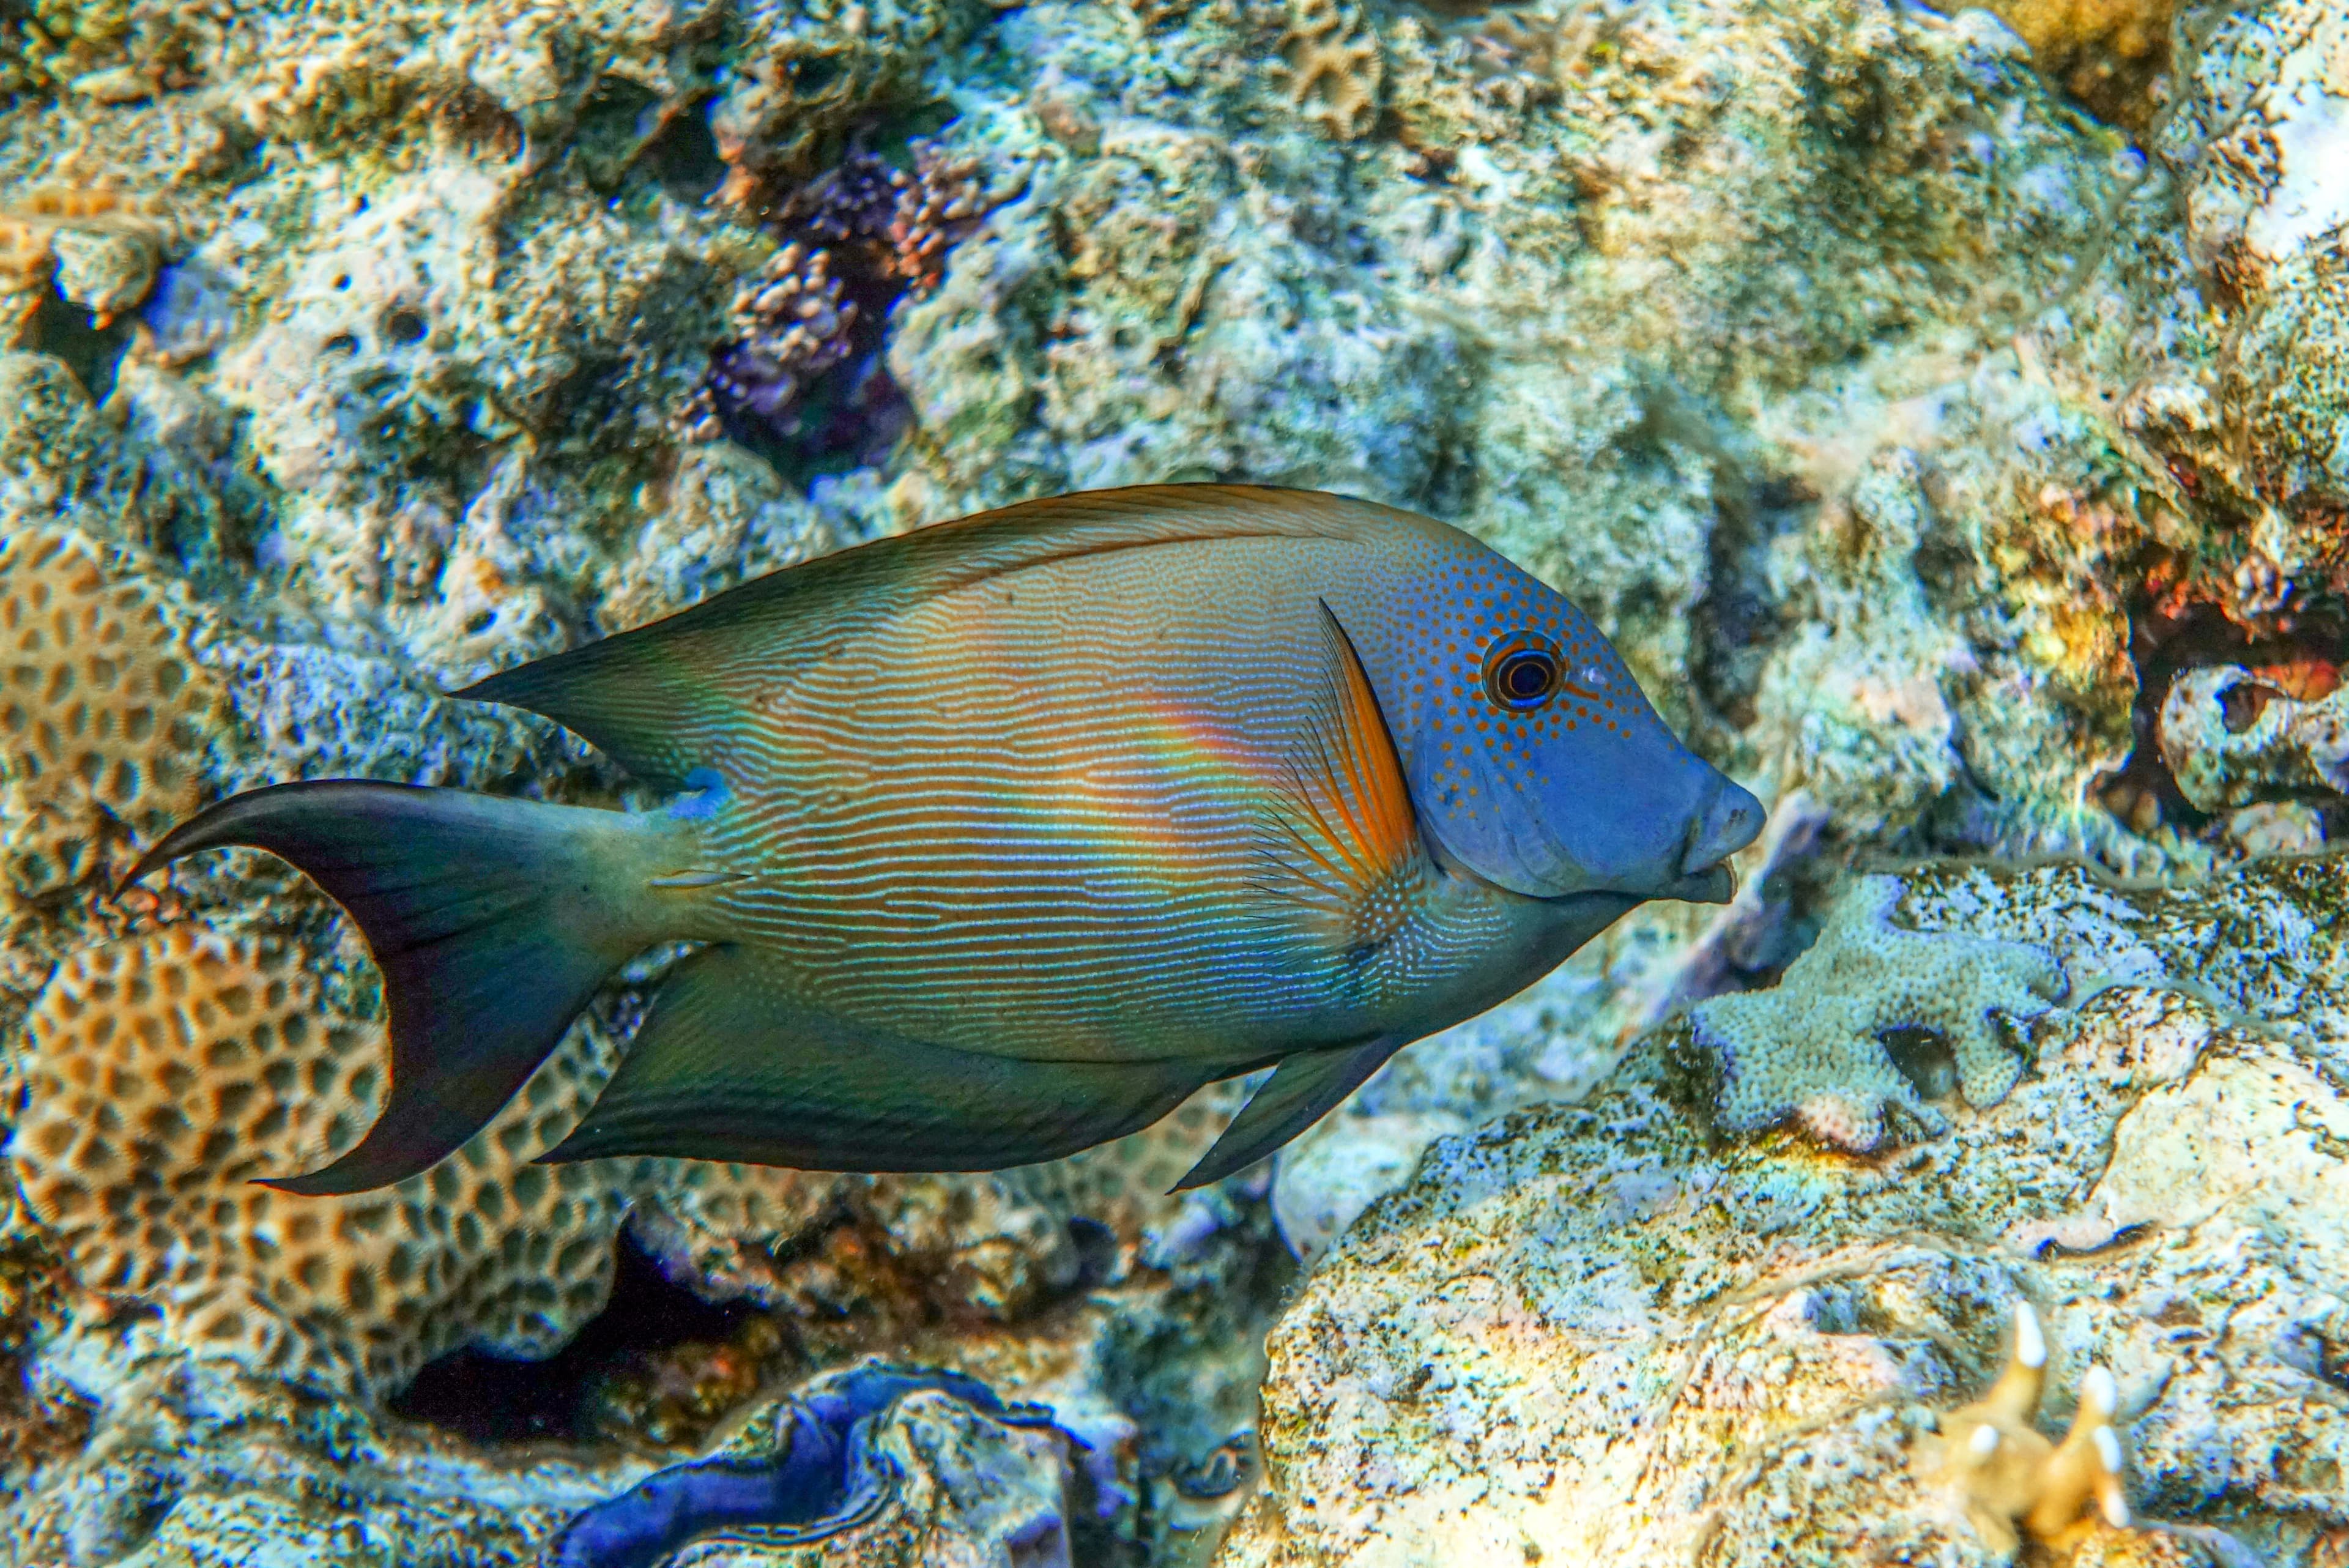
(161, 1074)
(1334, 68)
(1811, 1049)
(2014, 1481)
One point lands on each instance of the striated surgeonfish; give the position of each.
(1001, 836)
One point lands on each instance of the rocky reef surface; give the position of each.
(1947, 414)
(1631, 1331)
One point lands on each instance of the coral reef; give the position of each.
(1811, 1050)
(1586, 1333)
(1962, 474)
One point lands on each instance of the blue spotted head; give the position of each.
(1534, 758)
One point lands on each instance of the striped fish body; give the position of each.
(1005, 835)
(1038, 817)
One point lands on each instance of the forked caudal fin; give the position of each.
(492, 920)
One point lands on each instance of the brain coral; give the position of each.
(160, 1074)
(104, 712)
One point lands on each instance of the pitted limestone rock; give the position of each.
(1811, 1050)
(2232, 739)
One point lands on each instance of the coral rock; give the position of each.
(2231, 738)
(100, 246)
(1811, 1049)
(1592, 1334)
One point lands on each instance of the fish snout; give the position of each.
(1730, 821)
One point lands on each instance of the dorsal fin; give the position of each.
(659, 700)
(1342, 859)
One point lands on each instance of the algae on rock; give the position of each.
(1588, 1333)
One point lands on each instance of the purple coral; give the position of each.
(938, 206)
(862, 238)
(899, 224)
(791, 324)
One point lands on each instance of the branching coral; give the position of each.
(792, 323)
(1812, 1049)
(1335, 67)
(2013, 1482)
(883, 232)
(940, 202)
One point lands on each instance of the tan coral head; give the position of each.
(2013, 1481)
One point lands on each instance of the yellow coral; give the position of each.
(2106, 53)
(2013, 1481)
(1334, 67)
(161, 1074)
(104, 712)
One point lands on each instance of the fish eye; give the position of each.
(1521, 671)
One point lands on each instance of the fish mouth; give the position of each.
(1730, 821)
(1715, 884)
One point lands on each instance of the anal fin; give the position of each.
(730, 1067)
(1300, 1092)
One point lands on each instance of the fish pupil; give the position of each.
(1526, 677)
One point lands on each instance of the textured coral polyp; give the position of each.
(104, 712)
(1335, 67)
(1811, 1050)
(162, 1075)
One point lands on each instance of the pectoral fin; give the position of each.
(1301, 1092)
(1341, 860)
(730, 1067)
